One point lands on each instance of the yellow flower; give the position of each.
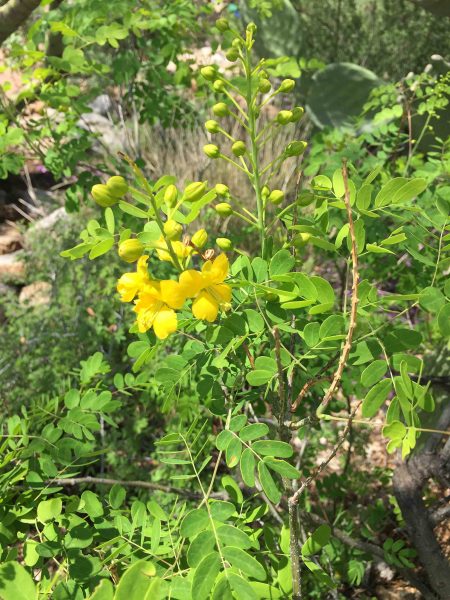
(179, 248)
(130, 284)
(207, 288)
(155, 307)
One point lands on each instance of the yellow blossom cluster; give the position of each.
(157, 300)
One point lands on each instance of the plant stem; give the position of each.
(254, 159)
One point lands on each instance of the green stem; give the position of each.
(170, 249)
(255, 178)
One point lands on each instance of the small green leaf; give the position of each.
(48, 510)
(253, 431)
(195, 521)
(282, 262)
(373, 373)
(273, 448)
(247, 465)
(233, 452)
(268, 484)
(246, 563)
(205, 575)
(375, 398)
(317, 541)
(282, 467)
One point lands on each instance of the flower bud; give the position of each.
(130, 250)
(284, 117)
(103, 196)
(236, 43)
(251, 27)
(238, 148)
(173, 230)
(286, 86)
(117, 186)
(264, 86)
(223, 209)
(211, 151)
(232, 54)
(219, 85)
(301, 239)
(224, 244)
(265, 191)
(212, 126)
(220, 109)
(199, 238)
(297, 113)
(208, 73)
(295, 148)
(276, 197)
(221, 189)
(222, 25)
(170, 195)
(194, 191)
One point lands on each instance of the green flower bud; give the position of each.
(284, 117)
(173, 230)
(287, 85)
(208, 73)
(170, 195)
(194, 191)
(222, 25)
(103, 196)
(222, 189)
(224, 244)
(265, 191)
(220, 109)
(117, 186)
(276, 197)
(271, 297)
(130, 250)
(236, 43)
(211, 151)
(264, 86)
(295, 148)
(199, 238)
(301, 239)
(219, 85)
(238, 148)
(232, 54)
(223, 209)
(212, 126)
(297, 113)
(251, 27)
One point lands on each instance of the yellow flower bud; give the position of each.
(208, 73)
(103, 196)
(211, 151)
(223, 209)
(239, 148)
(224, 244)
(221, 189)
(284, 117)
(232, 55)
(212, 126)
(117, 186)
(219, 85)
(287, 85)
(199, 238)
(194, 191)
(295, 148)
(222, 25)
(276, 197)
(301, 239)
(297, 113)
(264, 86)
(170, 195)
(173, 230)
(220, 109)
(130, 250)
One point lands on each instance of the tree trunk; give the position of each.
(13, 14)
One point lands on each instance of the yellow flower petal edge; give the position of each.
(130, 284)
(155, 307)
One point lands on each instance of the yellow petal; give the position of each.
(172, 293)
(191, 282)
(205, 307)
(223, 291)
(165, 323)
(128, 286)
(220, 268)
(141, 266)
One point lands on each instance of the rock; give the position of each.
(110, 136)
(49, 221)
(397, 593)
(101, 105)
(10, 239)
(36, 294)
(12, 268)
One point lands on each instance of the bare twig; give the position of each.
(354, 306)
